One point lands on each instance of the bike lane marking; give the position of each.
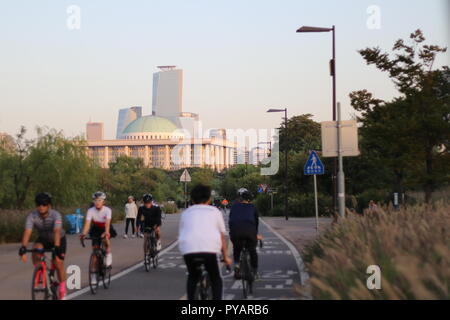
(120, 274)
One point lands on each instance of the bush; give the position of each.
(262, 203)
(381, 197)
(169, 207)
(411, 247)
(12, 223)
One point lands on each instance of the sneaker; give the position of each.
(108, 259)
(158, 245)
(141, 235)
(125, 236)
(133, 236)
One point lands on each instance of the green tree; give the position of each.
(48, 163)
(303, 134)
(410, 134)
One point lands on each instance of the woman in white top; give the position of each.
(131, 211)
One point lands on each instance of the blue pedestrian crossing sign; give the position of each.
(313, 165)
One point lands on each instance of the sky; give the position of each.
(240, 57)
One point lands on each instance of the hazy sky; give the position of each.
(239, 57)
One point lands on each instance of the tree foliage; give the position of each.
(410, 134)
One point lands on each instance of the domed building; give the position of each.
(151, 128)
(159, 138)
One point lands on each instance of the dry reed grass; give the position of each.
(411, 246)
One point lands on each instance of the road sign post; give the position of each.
(341, 176)
(185, 177)
(314, 166)
(316, 204)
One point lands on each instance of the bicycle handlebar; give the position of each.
(89, 238)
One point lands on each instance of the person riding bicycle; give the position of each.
(100, 217)
(201, 240)
(151, 216)
(243, 225)
(48, 223)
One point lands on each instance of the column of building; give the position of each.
(167, 157)
(146, 157)
(106, 157)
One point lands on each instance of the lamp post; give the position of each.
(306, 29)
(285, 160)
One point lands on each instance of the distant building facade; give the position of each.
(168, 138)
(6, 141)
(165, 153)
(94, 131)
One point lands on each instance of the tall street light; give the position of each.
(306, 29)
(285, 160)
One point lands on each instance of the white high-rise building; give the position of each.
(167, 92)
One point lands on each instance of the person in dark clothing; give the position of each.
(151, 216)
(243, 224)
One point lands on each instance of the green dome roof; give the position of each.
(150, 124)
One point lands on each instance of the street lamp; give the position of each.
(306, 29)
(285, 161)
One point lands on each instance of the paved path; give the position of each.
(15, 276)
(279, 265)
(299, 231)
(280, 269)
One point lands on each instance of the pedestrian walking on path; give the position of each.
(131, 211)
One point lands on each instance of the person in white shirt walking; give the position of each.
(201, 240)
(131, 211)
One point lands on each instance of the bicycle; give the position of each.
(151, 255)
(246, 271)
(204, 290)
(97, 266)
(44, 280)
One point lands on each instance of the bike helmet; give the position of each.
(43, 198)
(147, 198)
(99, 195)
(244, 194)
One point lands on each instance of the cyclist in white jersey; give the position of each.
(99, 216)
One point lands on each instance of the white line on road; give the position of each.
(298, 259)
(120, 274)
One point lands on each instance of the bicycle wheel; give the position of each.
(206, 288)
(154, 254)
(54, 290)
(106, 276)
(246, 274)
(147, 257)
(203, 290)
(39, 287)
(94, 272)
(54, 285)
